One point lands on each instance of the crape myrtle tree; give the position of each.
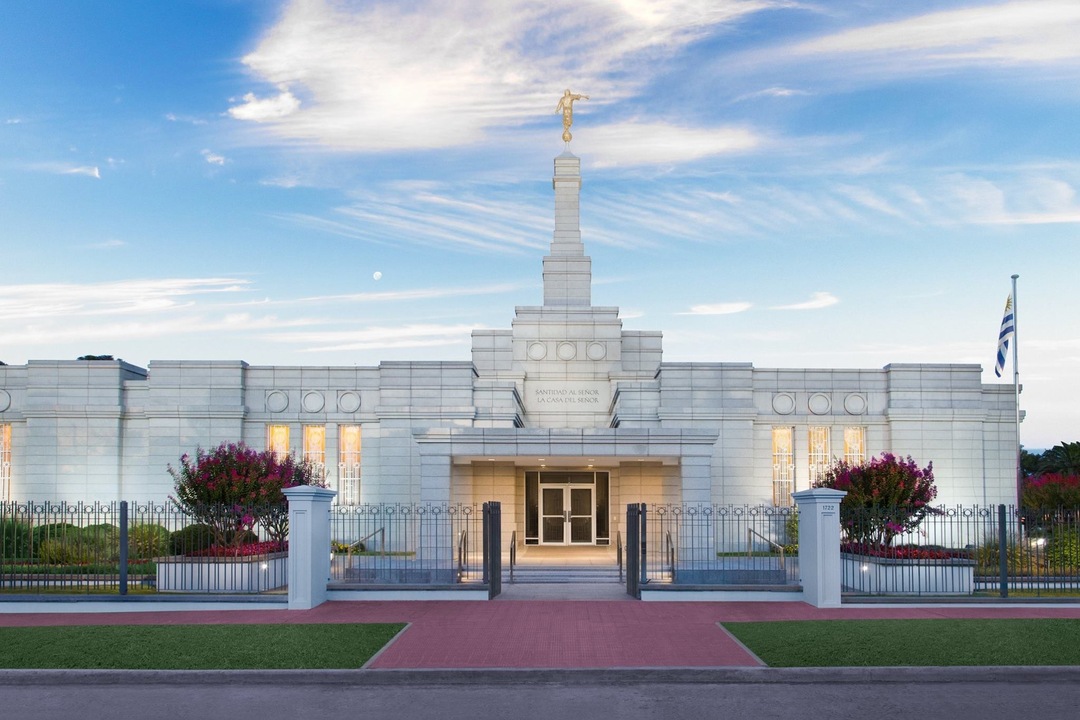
(234, 488)
(1052, 479)
(886, 497)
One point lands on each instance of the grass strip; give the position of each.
(893, 643)
(194, 647)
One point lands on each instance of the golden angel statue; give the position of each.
(566, 107)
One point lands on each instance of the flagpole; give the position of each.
(1016, 391)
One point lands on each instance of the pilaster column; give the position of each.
(309, 545)
(819, 545)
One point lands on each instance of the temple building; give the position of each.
(564, 417)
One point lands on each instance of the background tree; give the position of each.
(1063, 459)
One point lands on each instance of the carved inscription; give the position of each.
(567, 396)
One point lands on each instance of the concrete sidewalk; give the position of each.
(548, 634)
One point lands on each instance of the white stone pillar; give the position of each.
(819, 545)
(309, 545)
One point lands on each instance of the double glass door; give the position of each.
(566, 515)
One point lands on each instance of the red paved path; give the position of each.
(548, 633)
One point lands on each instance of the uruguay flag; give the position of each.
(1008, 327)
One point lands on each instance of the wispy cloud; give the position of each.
(173, 117)
(652, 143)
(213, 158)
(67, 169)
(377, 338)
(349, 76)
(455, 218)
(265, 109)
(772, 92)
(817, 301)
(729, 308)
(1023, 31)
(64, 300)
(110, 244)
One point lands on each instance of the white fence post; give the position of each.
(309, 545)
(819, 545)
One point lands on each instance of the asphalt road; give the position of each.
(745, 693)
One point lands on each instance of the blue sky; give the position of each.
(818, 184)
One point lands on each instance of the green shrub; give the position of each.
(791, 532)
(147, 541)
(191, 538)
(51, 531)
(102, 542)
(14, 539)
(64, 550)
(241, 537)
(1063, 549)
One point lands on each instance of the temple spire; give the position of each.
(567, 270)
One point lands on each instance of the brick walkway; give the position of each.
(548, 633)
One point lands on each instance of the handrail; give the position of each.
(618, 552)
(381, 532)
(750, 533)
(669, 550)
(462, 551)
(513, 553)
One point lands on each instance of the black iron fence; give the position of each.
(734, 545)
(410, 544)
(123, 548)
(1000, 551)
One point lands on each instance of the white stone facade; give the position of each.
(564, 390)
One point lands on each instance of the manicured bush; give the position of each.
(886, 497)
(1063, 549)
(64, 550)
(101, 541)
(147, 541)
(51, 531)
(14, 539)
(191, 538)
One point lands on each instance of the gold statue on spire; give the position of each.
(566, 107)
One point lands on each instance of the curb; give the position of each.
(616, 676)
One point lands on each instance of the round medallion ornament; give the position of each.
(313, 402)
(537, 351)
(567, 351)
(276, 401)
(819, 403)
(855, 404)
(596, 351)
(5, 400)
(783, 403)
(348, 401)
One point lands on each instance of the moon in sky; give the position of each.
(377, 275)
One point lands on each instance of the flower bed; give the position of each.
(224, 572)
(904, 552)
(937, 572)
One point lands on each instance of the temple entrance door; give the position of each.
(566, 515)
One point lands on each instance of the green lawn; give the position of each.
(859, 643)
(194, 647)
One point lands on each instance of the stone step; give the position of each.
(562, 574)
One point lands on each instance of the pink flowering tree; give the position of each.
(234, 488)
(886, 497)
(1051, 491)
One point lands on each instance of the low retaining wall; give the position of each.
(254, 574)
(884, 576)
